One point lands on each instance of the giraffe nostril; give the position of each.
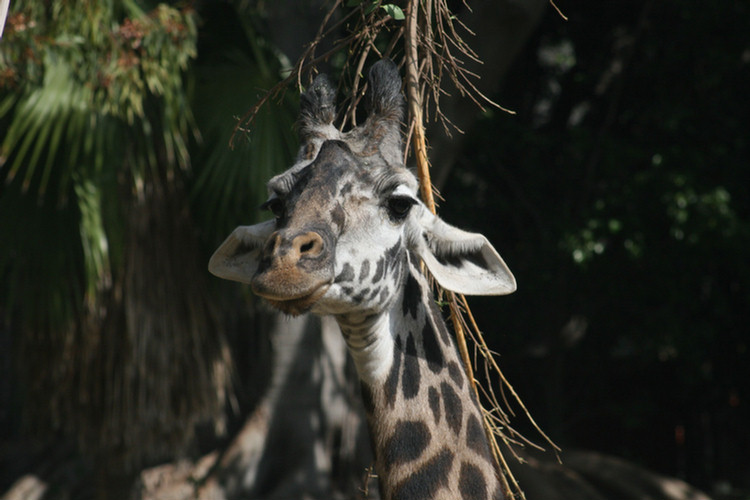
(308, 244)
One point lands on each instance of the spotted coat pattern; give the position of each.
(426, 426)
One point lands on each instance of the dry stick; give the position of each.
(565, 18)
(356, 94)
(296, 73)
(415, 105)
(461, 340)
(357, 73)
(491, 430)
(300, 66)
(414, 94)
(413, 72)
(488, 356)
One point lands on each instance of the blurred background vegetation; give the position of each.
(617, 193)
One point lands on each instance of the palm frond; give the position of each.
(229, 183)
(95, 129)
(41, 118)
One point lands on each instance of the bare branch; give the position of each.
(565, 18)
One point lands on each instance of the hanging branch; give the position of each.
(437, 56)
(414, 101)
(443, 54)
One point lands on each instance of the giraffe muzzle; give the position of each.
(295, 271)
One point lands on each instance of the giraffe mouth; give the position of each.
(298, 304)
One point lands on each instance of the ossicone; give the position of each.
(383, 98)
(381, 131)
(317, 107)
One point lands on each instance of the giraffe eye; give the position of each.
(275, 206)
(398, 206)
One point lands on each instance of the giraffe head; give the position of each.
(346, 214)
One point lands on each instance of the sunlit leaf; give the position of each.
(394, 11)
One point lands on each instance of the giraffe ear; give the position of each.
(238, 257)
(462, 262)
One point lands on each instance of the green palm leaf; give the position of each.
(229, 184)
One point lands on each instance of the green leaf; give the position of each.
(394, 11)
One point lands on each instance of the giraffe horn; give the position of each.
(384, 102)
(383, 99)
(317, 108)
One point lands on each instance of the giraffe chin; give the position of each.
(298, 305)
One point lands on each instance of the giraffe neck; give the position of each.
(424, 421)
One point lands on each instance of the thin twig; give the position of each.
(414, 100)
(565, 18)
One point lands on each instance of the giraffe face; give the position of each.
(345, 216)
(339, 233)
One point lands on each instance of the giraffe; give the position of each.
(347, 239)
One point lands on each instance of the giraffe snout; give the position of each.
(295, 269)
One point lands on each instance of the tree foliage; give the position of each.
(73, 99)
(104, 163)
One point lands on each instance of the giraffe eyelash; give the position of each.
(275, 206)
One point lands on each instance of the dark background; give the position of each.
(618, 195)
